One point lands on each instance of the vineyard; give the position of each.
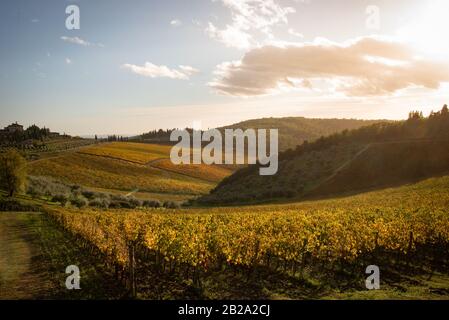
(133, 152)
(213, 173)
(130, 167)
(58, 145)
(405, 224)
(100, 172)
(38, 148)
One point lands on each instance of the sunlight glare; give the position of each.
(429, 31)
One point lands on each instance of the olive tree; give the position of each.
(12, 172)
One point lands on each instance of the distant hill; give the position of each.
(293, 131)
(382, 154)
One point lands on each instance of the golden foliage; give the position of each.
(330, 230)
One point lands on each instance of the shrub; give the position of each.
(116, 204)
(79, 201)
(102, 203)
(40, 186)
(120, 201)
(91, 195)
(61, 198)
(151, 204)
(33, 191)
(88, 194)
(76, 190)
(135, 202)
(13, 205)
(171, 205)
(118, 197)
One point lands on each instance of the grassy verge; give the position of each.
(397, 282)
(47, 252)
(59, 250)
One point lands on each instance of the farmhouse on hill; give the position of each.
(12, 128)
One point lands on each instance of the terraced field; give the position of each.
(126, 167)
(213, 173)
(132, 152)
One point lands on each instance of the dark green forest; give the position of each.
(373, 156)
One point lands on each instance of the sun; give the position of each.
(428, 32)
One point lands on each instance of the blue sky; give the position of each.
(148, 64)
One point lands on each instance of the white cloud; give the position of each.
(154, 71)
(176, 23)
(230, 36)
(76, 40)
(188, 70)
(68, 61)
(292, 32)
(366, 66)
(196, 22)
(248, 17)
(81, 42)
(35, 20)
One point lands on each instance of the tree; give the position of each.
(445, 110)
(33, 132)
(12, 172)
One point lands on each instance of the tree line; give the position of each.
(435, 126)
(33, 132)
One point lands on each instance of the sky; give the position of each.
(133, 66)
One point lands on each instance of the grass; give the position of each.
(35, 254)
(416, 287)
(270, 285)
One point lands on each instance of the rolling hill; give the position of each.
(376, 156)
(293, 131)
(125, 167)
(145, 168)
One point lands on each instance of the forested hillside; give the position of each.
(382, 154)
(293, 131)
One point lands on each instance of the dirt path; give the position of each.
(21, 276)
(343, 166)
(363, 150)
(347, 163)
